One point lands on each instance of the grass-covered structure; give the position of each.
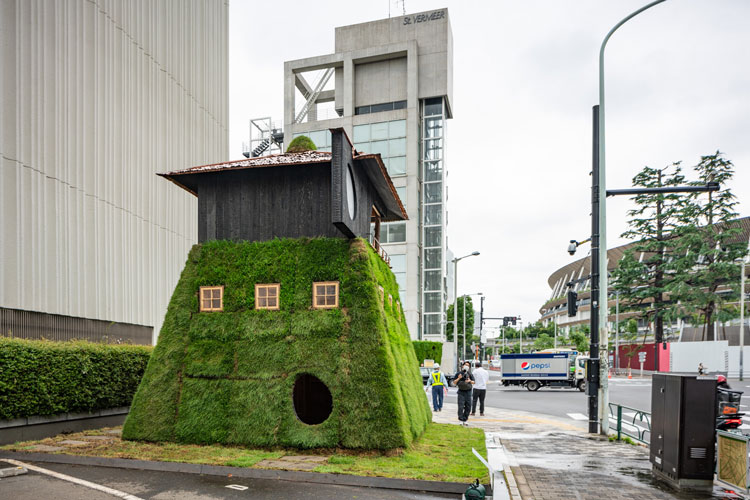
(253, 377)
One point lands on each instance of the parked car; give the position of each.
(495, 363)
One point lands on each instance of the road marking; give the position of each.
(81, 482)
(237, 487)
(578, 416)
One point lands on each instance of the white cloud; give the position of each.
(525, 79)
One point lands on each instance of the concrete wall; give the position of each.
(95, 98)
(380, 82)
(685, 356)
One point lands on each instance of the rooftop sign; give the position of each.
(423, 18)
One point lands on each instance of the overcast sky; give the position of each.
(525, 79)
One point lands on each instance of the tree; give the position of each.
(510, 332)
(536, 329)
(511, 348)
(640, 276)
(543, 341)
(685, 248)
(469, 320)
(579, 339)
(705, 250)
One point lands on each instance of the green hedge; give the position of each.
(40, 377)
(227, 377)
(425, 349)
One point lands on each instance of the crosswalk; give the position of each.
(578, 416)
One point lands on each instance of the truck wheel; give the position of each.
(582, 385)
(532, 385)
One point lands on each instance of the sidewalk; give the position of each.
(548, 458)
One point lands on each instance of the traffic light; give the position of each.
(572, 303)
(513, 320)
(505, 321)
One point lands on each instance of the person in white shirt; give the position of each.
(481, 376)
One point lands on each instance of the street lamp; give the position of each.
(463, 326)
(599, 247)
(742, 310)
(455, 297)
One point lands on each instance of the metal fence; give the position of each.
(630, 422)
(36, 325)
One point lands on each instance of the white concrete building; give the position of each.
(95, 98)
(389, 83)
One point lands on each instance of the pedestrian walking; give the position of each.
(701, 369)
(439, 384)
(481, 377)
(464, 380)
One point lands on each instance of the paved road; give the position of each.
(635, 392)
(572, 404)
(178, 486)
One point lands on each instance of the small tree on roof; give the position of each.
(300, 144)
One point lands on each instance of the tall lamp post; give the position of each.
(742, 310)
(599, 247)
(455, 297)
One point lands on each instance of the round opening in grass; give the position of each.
(312, 399)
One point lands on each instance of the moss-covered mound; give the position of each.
(300, 144)
(229, 377)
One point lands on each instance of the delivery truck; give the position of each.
(553, 369)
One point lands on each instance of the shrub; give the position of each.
(428, 350)
(39, 377)
(301, 143)
(228, 377)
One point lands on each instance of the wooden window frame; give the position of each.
(390, 300)
(267, 286)
(315, 295)
(202, 289)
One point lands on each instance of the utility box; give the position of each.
(683, 430)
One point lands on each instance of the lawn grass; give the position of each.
(442, 453)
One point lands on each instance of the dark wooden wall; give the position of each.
(259, 204)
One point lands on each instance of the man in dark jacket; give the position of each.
(464, 380)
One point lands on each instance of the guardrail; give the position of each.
(627, 422)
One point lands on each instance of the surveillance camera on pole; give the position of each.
(572, 247)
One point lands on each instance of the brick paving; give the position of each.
(554, 459)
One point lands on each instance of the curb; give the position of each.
(513, 484)
(224, 470)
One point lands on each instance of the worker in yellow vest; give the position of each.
(439, 385)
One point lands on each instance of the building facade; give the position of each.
(95, 98)
(389, 85)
